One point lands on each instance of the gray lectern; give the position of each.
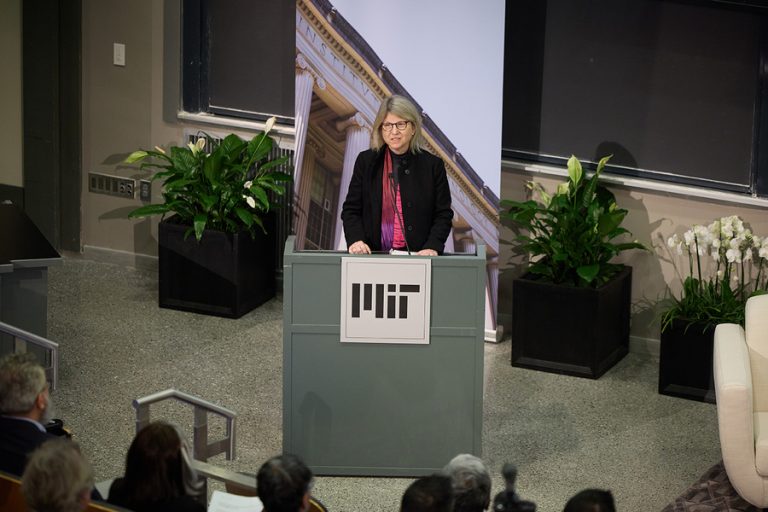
(381, 409)
(25, 256)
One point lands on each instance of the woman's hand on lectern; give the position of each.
(359, 247)
(427, 252)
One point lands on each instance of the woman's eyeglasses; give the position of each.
(387, 127)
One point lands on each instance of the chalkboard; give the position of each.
(672, 89)
(239, 57)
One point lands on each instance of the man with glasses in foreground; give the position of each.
(25, 404)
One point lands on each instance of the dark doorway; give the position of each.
(51, 74)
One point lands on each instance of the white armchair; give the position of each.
(741, 387)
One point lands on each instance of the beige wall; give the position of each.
(132, 107)
(652, 218)
(122, 111)
(10, 93)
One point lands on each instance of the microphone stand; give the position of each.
(394, 182)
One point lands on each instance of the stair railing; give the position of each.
(201, 448)
(20, 340)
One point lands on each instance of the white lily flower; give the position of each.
(248, 184)
(200, 143)
(673, 241)
(763, 253)
(688, 236)
(269, 124)
(250, 200)
(732, 255)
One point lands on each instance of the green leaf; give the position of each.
(609, 221)
(260, 195)
(183, 161)
(232, 146)
(259, 147)
(150, 209)
(258, 222)
(574, 170)
(200, 221)
(175, 184)
(245, 216)
(212, 167)
(631, 245)
(274, 163)
(208, 201)
(588, 272)
(601, 163)
(135, 156)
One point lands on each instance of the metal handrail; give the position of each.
(20, 340)
(201, 448)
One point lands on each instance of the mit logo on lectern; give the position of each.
(375, 301)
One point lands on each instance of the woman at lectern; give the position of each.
(398, 197)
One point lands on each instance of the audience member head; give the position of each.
(471, 483)
(591, 500)
(23, 388)
(57, 478)
(283, 484)
(154, 465)
(428, 494)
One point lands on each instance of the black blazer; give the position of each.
(424, 195)
(18, 439)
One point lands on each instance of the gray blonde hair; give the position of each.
(57, 478)
(401, 107)
(470, 481)
(22, 379)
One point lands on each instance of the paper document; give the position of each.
(225, 502)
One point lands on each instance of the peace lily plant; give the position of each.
(226, 189)
(725, 267)
(571, 235)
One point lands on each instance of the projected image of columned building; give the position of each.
(340, 83)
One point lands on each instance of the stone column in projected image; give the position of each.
(305, 81)
(311, 151)
(358, 139)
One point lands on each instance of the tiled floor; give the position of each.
(564, 433)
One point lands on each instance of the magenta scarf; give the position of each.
(387, 204)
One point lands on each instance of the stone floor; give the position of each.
(563, 433)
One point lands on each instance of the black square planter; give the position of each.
(685, 361)
(224, 274)
(574, 331)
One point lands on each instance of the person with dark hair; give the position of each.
(283, 484)
(591, 500)
(57, 478)
(398, 196)
(157, 474)
(471, 483)
(25, 405)
(428, 494)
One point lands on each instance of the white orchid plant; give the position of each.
(725, 267)
(227, 188)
